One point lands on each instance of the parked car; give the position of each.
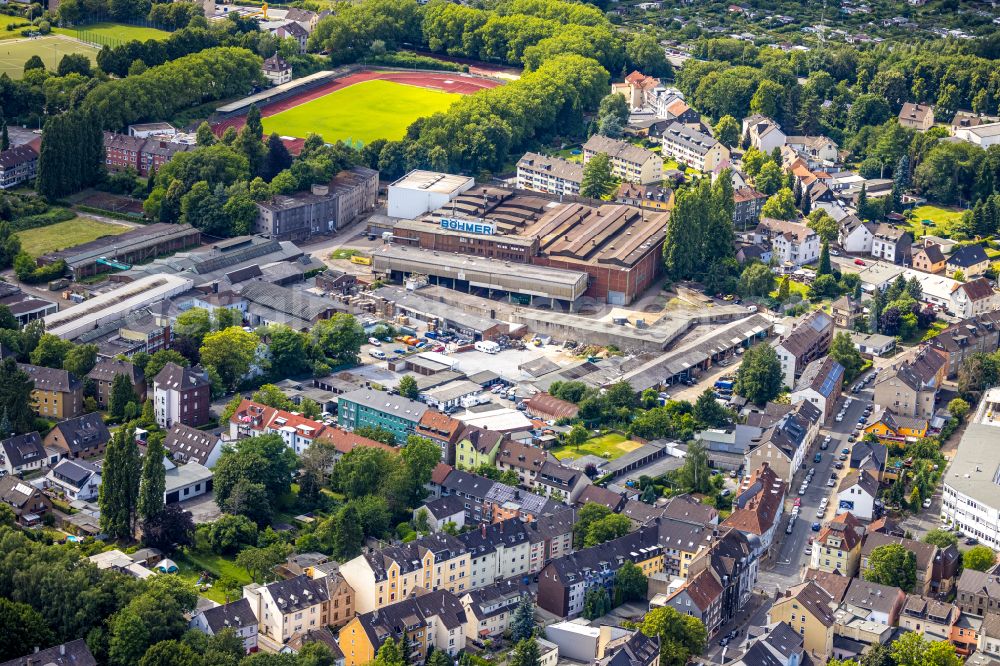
(374, 342)
(927, 503)
(816, 527)
(808, 550)
(859, 262)
(377, 353)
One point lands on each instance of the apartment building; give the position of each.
(838, 546)
(783, 445)
(434, 620)
(181, 395)
(57, 394)
(103, 374)
(628, 162)
(368, 407)
(809, 610)
(252, 419)
(82, 437)
(497, 551)
(792, 243)
(489, 610)
(384, 577)
(553, 175)
(910, 386)
(808, 340)
(286, 608)
(892, 244)
(18, 164)
(758, 506)
(693, 148)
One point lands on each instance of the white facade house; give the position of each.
(554, 175)
(971, 500)
(236, 615)
(184, 482)
(497, 552)
(24, 453)
(857, 493)
(856, 236)
(820, 384)
(972, 298)
(765, 134)
(691, 147)
(983, 136)
(77, 479)
(792, 243)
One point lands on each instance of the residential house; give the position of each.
(894, 429)
(492, 501)
(855, 235)
(700, 596)
(489, 610)
(18, 164)
(821, 384)
(549, 408)
(344, 442)
(73, 653)
(909, 387)
(846, 311)
(971, 260)
(870, 456)
(340, 607)
(984, 136)
(965, 635)
(23, 453)
(978, 593)
(815, 150)
(477, 447)
(944, 573)
(809, 610)
(496, 552)
(236, 615)
(917, 116)
(103, 374)
(368, 407)
(277, 70)
(442, 430)
(76, 479)
(435, 620)
(779, 645)
(637, 650)
(929, 258)
(833, 582)
(873, 344)
(979, 334)
(701, 152)
(525, 460)
(763, 133)
(975, 297)
(186, 444)
(808, 340)
(758, 506)
(553, 175)
(83, 437)
(57, 394)
(682, 542)
(638, 89)
(857, 493)
(930, 618)
(443, 510)
(873, 602)
(792, 243)
(384, 577)
(592, 494)
(989, 634)
(838, 546)
(628, 162)
(28, 502)
(293, 30)
(747, 205)
(657, 197)
(783, 445)
(289, 607)
(891, 243)
(690, 508)
(924, 552)
(563, 582)
(181, 395)
(551, 537)
(323, 635)
(559, 482)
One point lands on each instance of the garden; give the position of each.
(608, 446)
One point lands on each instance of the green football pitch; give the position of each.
(361, 112)
(15, 52)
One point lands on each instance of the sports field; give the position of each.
(62, 235)
(362, 112)
(112, 34)
(15, 52)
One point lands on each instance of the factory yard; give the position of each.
(361, 112)
(62, 235)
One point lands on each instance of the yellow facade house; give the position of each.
(808, 609)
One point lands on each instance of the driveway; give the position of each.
(203, 508)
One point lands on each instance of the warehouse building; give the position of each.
(396, 301)
(524, 284)
(131, 247)
(322, 210)
(420, 192)
(618, 246)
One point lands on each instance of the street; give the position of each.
(790, 558)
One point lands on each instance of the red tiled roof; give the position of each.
(345, 441)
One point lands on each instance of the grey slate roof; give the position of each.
(177, 378)
(23, 449)
(84, 432)
(73, 653)
(235, 615)
(51, 379)
(298, 593)
(190, 443)
(967, 255)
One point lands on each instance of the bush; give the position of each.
(29, 272)
(412, 60)
(42, 219)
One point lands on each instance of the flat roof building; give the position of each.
(420, 192)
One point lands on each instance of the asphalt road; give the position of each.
(790, 558)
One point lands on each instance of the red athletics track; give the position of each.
(453, 82)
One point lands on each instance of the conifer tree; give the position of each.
(119, 491)
(153, 483)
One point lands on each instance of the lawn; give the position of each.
(794, 287)
(610, 446)
(112, 34)
(5, 21)
(943, 219)
(361, 113)
(191, 563)
(51, 49)
(62, 235)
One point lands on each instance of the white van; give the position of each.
(377, 353)
(487, 346)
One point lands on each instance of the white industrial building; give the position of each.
(420, 192)
(114, 305)
(971, 497)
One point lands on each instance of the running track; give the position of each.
(453, 82)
